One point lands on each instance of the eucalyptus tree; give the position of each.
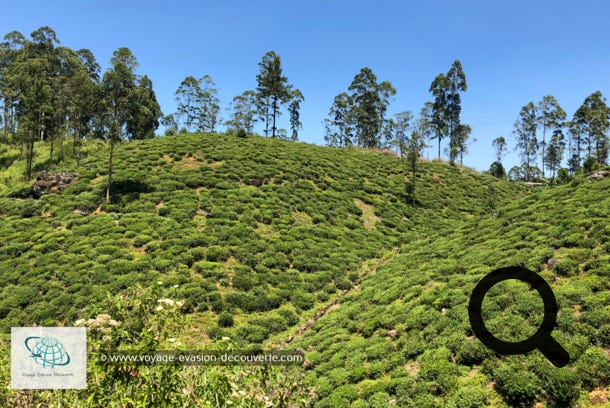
(119, 89)
(458, 133)
(31, 76)
(400, 126)
(272, 91)
(550, 116)
(461, 134)
(209, 104)
(295, 117)
(369, 103)
(187, 96)
(446, 110)
(554, 156)
(339, 126)
(593, 117)
(575, 143)
(496, 168)
(525, 132)
(440, 114)
(80, 92)
(499, 145)
(243, 113)
(145, 111)
(415, 144)
(10, 49)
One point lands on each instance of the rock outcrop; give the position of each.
(599, 174)
(51, 183)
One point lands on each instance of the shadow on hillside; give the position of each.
(7, 161)
(128, 190)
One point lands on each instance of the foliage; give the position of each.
(141, 320)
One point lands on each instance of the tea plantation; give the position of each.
(404, 338)
(255, 236)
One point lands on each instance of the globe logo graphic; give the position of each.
(47, 352)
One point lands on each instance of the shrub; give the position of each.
(303, 301)
(225, 319)
(472, 352)
(289, 315)
(566, 267)
(520, 388)
(425, 401)
(563, 387)
(469, 396)
(593, 368)
(252, 333)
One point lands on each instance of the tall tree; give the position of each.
(209, 104)
(593, 117)
(550, 116)
(575, 144)
(295, 117)
(10, 49)
(187, 96)
(340, 125)
(32, 77)
(525, 131)
(170, 123)
(499, 144)
(243, 113)
(119, 89)
(458, 133)
(399, 134)
(145, 111)
(415, 145)
(81, 88)
(555, 150)
(461, 134)
(272, 91)
(440, 114)
(496, 168)
(370, 101)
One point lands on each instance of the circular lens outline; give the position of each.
(540, 340)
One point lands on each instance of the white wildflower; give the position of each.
(166, 301)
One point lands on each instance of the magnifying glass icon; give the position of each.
(542, 339)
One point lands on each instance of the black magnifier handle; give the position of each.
(554, 352)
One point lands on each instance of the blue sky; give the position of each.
(512, 52)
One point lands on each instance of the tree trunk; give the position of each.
(110, 171)
(439, 148)
(274, 114)
(543, 146)
(30, 156)
(413, 168)
(51, 152)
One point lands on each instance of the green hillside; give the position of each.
(282, 244)
(184, 211)
(404, 338)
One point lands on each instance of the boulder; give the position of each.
(599, 174)
(255, 182)
(51, 183)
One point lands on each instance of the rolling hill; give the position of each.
(264, 240)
